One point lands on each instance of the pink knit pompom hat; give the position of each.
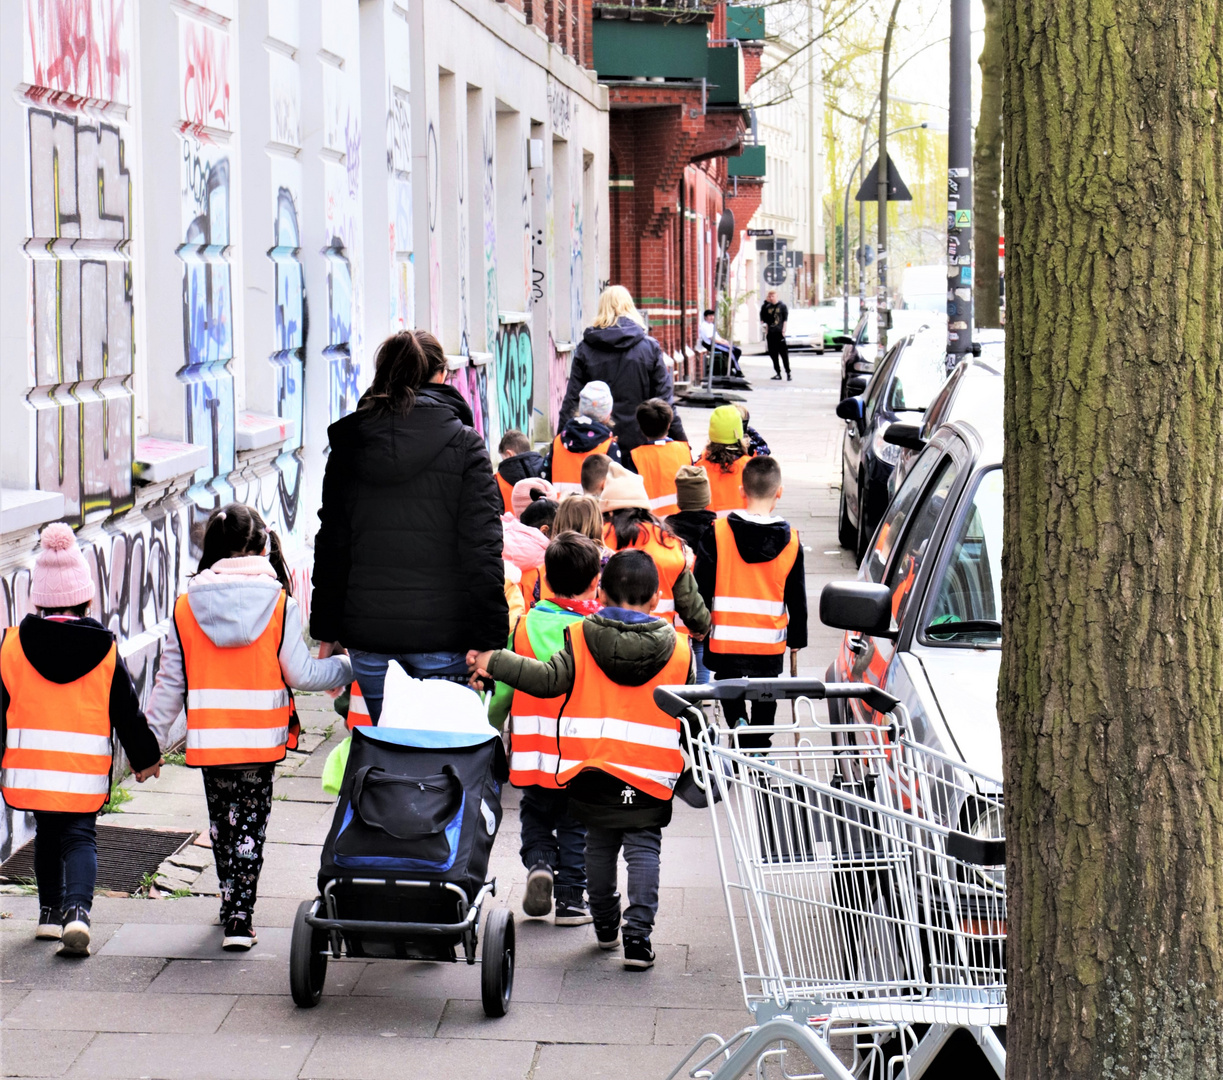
(61, 577)
(527, 491)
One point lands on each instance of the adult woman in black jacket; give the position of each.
(407, 560)
(618, 351)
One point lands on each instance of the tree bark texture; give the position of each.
(987, 172)
(1111, 692)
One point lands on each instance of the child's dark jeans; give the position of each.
(65, 859)
(642, 851)
(550, 835)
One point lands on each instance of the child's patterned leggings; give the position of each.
(239, 802)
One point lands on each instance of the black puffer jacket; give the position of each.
(408, 552)
(630, 361)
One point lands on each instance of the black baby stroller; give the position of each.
(403, 868)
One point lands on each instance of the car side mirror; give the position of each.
(851, 409)
(842, 340)
(859, 606)
(856, 384)
(907, 436)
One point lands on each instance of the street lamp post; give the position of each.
(881, 253)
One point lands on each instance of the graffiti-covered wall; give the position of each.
(214, 211)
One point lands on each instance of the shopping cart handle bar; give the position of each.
(975, 851)
(675, 700)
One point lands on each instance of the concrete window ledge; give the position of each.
(564, 346)
(506, 318)
(28, 509)
(254, 431)
(475, 359)
(158, 460)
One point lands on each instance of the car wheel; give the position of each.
(847, 534)
(863, 538)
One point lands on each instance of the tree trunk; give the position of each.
(1111, 693)
(987, 172)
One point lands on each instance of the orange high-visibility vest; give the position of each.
(237, 703)
(507, 492)
(532, 580)
(533, 750)
(749, 610)
(657, 463)
(724, 493)
(58, 752)
(669, 557)
(358, 708)
(618, 729)
(567, 466)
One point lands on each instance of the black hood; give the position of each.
(758, 542)
(62, 652)
(389, 449)
(521, 467)
(580, 435)
(624, 335)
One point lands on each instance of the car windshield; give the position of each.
(804, 321)
(903, 322)
(920, 372)
(968, 603)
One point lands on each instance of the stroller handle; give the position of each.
(675, 700)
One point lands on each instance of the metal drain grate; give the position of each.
(125, 856)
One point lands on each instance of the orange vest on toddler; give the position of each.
(724, 493)
(668, 557)
(657, 463)
(749, 610)
(238, 706)
(57, 753)
(567, 466)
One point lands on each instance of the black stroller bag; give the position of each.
(416, 813)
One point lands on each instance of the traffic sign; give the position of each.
(897, 192)
(759, 232)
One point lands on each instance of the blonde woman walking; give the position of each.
(617, 350)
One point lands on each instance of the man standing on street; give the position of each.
(774, 314)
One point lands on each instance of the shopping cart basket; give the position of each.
(863, 874)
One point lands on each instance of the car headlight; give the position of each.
(885, 451)
(989, 825)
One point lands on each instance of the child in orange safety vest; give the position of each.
(553, 842)
(234, 652)
(589, 432)
(63, 690)
(724, 459)
(659, 458)
(749, 569)
(618, 754)
(518, 462)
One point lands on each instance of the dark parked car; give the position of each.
(858, 353)
(911, 374)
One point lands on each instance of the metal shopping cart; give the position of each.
(863, 874)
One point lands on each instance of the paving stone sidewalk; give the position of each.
(159, 998)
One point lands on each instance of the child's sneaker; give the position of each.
(239, 935)
(637, 952)
(607, 935)
(75, 937)
(572, 910)
(50, 924)
(538, 899)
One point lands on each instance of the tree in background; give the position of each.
(987, 173)
(1111, 690)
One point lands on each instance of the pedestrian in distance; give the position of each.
(553, 845)
(617, 350)
(773, 317)
(586, 434)
(756, 446)
(595, 470)
(723, 460)
(749, 569)
(407, 559)
(518, 462)
(633, 525)
(659, 458)
(619, 754)
(718, 346)
(64, 690)
(233, 656)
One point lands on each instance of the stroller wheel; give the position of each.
(307, 959)
(497, 962)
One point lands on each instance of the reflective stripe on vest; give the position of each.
(618, 729)
(507, 491)
(724, 494)
(657, 463)
(57, 753)
(749, 611)
(668, 557)
(567, 466)
(533, 753)
(358, 709)
(238, 706)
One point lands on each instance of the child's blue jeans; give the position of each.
(642, 850)
(65, 859)
(552, 836)
(369, 671)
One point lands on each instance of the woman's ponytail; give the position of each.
(403, 364)
(276, 557)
